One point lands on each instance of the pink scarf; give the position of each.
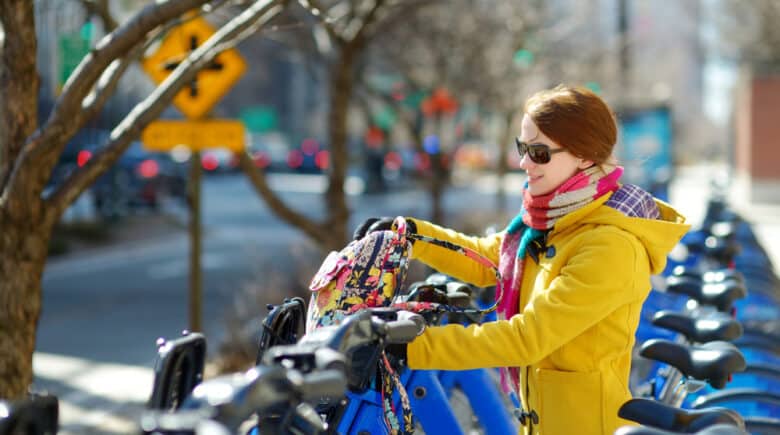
(539, 214)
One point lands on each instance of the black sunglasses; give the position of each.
(539, 153)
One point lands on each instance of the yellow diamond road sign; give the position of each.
(211, 83)
(195, 135)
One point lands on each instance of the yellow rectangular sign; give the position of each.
(195, 135)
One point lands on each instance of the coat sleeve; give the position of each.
(604, 273)
(453, 264)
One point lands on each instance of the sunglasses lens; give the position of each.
(539, 154)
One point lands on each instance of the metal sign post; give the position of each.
(196, 273)
(195, 102)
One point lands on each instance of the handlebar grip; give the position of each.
(414, 317)
(323, 383)
(401, 331)
(459, 287)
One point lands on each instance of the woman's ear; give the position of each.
(585, 164)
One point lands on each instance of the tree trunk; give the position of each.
(23, 248)
(341, 88)
(439, 177)
(502, 167)
(18, 81)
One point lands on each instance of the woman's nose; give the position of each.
(525, 162)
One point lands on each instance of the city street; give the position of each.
(110, 109)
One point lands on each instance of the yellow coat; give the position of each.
(579, 310)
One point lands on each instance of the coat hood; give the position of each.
(658, 236)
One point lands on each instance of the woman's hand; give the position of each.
(383, 223)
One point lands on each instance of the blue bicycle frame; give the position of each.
(429, 398)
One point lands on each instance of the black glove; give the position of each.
(380, 224)
(397, 351)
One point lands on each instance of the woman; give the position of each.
(576, 265)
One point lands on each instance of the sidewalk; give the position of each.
(94, 398)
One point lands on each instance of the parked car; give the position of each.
(138, 180)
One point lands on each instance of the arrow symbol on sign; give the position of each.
(212, 66)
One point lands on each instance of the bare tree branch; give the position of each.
(109, 79)
(107, 84)
(357, 30)
(318, 12)
(114, 45)
(259, 181)
(148, 110)
(100, 8)
(44, 146)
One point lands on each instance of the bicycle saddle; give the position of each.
(670, 418)
(731, 395)
(284, 324)
(719, 295)
(721, 249)
(714, 275)
(713, 362)
(718, 429)
(36, 414)
(179, 368)
(759, 340)
(700, 329)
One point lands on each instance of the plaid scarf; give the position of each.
(529, 229)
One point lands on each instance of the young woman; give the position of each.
(576, 265)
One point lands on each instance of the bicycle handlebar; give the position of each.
(231, 399)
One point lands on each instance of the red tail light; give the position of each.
(294, 159)
(322, 159)
(148, 169)
(83, 157)
(393, 161)
(261, 159)
(209, 162)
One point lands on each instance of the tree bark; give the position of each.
(18, 81)
(149, 109)
(28, 155)
(341, 88)
(38, 152)
(24, 246)
(502, 167)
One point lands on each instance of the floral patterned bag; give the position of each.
(366, 273)
(369, 273)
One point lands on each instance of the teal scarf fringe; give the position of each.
(529, 234)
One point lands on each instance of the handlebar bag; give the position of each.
(367, 273)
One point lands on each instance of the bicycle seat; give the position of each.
(670, 418)
(759, 340)
(36, 414)
(723, 229)
(731, 395)
(714, 275)
(719, 295)
(718, 429)
(713, 362)
(284, 324)
(721, 249)
(700, 329)
(178, 370)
